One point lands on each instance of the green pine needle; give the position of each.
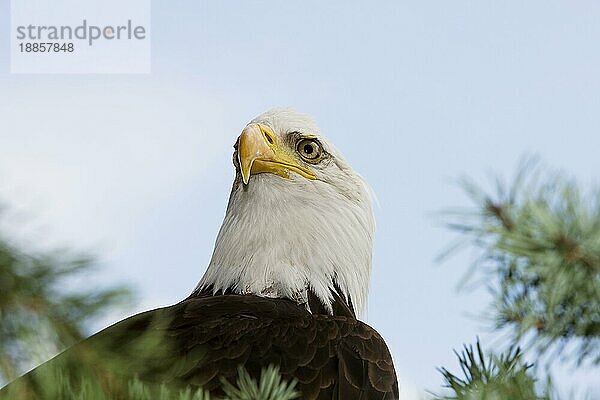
(271, 386)
(490, 377)
(539, 242)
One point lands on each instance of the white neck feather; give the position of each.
(283, 237)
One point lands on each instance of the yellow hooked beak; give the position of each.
(259, 152)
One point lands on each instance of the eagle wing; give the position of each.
(203, 339)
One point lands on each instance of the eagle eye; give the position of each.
(309, 149)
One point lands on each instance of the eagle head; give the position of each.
(299, 220)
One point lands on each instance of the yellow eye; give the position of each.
(309, 149)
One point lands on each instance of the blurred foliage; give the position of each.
(490, 377)
(539, 242)
(40, 311)
(58, 384)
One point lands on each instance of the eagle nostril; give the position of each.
(268, 137)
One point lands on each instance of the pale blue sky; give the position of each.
(415, 94)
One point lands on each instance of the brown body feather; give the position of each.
(204, 338)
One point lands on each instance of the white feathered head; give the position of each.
(299, 219)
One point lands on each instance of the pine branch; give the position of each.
(40, 311)
(539, 240)
(58, 384)
(490, 377)
(270, 387)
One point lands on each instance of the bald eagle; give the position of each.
(286, 284)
